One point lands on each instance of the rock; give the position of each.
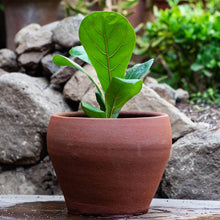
(165, 92)
(62, 75)
(90, 98)
(2, 72)
(79, 84)
(15, 182)
(182, 95)
(8, 60)
(26, 106)
(20, 36)
(66, 32)
(40, 40)
(149, 80)
(31, 62)
(148, 100)
(49, 68)
(193, 168)
(50, 26)
(36, 180)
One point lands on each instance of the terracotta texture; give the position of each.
(109, 167)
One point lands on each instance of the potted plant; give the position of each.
(108, 164)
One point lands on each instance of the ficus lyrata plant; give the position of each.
(108, 40)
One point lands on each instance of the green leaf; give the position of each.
(64, 61)
(109, 41)
(92, 111)
(1, 7)
(207, 73)
(123, 6)
(119, 92)
(157, 41)
(100, 101)
(196, 67)
(116, 114)
(139, 70)
(80, 53)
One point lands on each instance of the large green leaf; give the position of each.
(64, 61)
(91, 111)
(80, 53)
(109, 41)
(119, 92)
(139, 70)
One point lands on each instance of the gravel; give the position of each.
(206, 113)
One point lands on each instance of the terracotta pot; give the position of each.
(109, 167)
(23, 12)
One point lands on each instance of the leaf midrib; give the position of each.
(106, 52)
(114, 100)
(106, 49)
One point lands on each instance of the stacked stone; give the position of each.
(32, 88)
(27, 100)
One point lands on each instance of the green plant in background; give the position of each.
(1, 7)
(123, 6)
(108, 40)
(185, 40)
(210, 96)
(84, 7)
(213, 5)
(173, 3)
(73, 7)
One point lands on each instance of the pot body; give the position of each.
(23, 12)
(109, 167)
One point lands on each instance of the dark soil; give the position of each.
(206, 113)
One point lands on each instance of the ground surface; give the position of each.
(34, 207)
(206, 113)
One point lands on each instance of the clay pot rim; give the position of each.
(124, 115)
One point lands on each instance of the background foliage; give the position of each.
(1, 7)
(185, 41)
(74, 7)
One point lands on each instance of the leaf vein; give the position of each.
(100, 50)
(100, 62)
(112, 31)
(106, 48)
(99, 32)
(114, 101)
(121, 44)
(114, 67)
